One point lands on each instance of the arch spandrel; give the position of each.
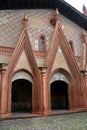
(23, 62)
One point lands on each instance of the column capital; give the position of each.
(43, 69)
(3, 66)
(84, 72)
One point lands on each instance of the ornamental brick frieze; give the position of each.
(6, 51)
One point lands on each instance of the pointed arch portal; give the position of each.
(21, 99)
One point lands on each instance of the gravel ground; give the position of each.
(76, 121)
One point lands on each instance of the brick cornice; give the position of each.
(6, 51)
(39, 53)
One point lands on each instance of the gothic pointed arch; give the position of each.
(24, 48)
(60, 81)
(21, 92)
(59, 40)
(23, 45)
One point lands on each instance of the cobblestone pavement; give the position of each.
(76, 121)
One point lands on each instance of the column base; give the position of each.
(5, 115)
(43, 113)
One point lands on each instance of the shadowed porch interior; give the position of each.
(21, 96)
(59, 95)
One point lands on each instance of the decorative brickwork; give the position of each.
(6, 51)
(73, 33)
(52, 67)
(11, 26)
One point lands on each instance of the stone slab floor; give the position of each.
(76, 121)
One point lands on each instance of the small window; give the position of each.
(53, 22)
(42, 44)
(71, 45)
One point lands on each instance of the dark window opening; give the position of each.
(42, 44)
(53, 22)
(71, 45)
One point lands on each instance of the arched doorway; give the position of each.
(59, 95)
(60, 90)
(21, 94)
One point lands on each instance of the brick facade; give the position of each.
(57, 68)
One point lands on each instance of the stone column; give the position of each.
(3, 91)
(83, 64)
(44, 92)
(85, 91)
